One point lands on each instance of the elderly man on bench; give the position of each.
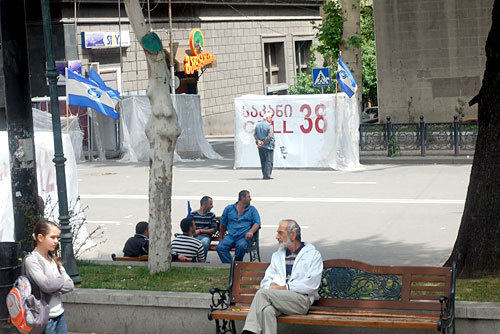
(290, 284)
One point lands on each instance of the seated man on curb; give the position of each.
(187, 245)
(206, 223)
(241, 220)
(290, 284)
(138, 245)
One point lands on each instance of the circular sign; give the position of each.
(196, 42)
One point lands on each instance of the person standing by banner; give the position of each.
(264, 138)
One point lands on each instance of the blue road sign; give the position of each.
(321, 77)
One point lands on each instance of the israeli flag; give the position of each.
(86, 93)
(345, 79)
(113, 93)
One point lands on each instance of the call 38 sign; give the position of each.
(306, 128)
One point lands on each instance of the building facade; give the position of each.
(258, 46)
(430, 57)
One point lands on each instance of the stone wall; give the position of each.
(120, 311)
(429, 54)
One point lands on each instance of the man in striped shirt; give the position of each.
(206, 223)
(187, 245)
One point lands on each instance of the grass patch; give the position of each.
(197, 279)
(178, 279)
(486, 289)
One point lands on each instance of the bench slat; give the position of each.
(377, 304)
(424, 297)
(344, 318)
(250, 282)
(428, 288)
(252, 274)
(247, 291)
(430, 278)
(396, 270)
(340, 312)
(124, 258)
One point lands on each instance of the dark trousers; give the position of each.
(266, 161)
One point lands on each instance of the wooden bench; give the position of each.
(352, 294)
(126, 258)
(139, 258)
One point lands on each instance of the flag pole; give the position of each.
(67, 101)
(336, 82)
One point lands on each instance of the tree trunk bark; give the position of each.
(162, 131)
(477, 248)
(351, 56)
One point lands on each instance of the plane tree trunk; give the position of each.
(477, 248)
(162, 131)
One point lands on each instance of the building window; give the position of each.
(302, 55)
(275, 70)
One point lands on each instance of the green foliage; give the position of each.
(181, 279)
(394, 148)
(481, 290)
(304, 81)
(369, 59)
(329, 35)
(459, 109)
(355, 41)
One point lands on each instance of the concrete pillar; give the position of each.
(19, 117)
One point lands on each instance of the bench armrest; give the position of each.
(447, 316)
(220, 300)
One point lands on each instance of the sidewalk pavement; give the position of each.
(224, 145)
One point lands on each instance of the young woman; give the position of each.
(46, 272)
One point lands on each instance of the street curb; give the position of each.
(442, 160)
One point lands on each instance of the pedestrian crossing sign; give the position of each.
(321, 77)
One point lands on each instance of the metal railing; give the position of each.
(396, 137)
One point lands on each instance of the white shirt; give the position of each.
(306, 272)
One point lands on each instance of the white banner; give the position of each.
(310, 130)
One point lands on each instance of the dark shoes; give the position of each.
(267, 178)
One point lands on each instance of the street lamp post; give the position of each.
(68, 257)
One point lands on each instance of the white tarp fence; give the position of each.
(135, 112)
(310, 130)
(47, 183)
(42, 121)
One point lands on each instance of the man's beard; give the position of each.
(284, 245)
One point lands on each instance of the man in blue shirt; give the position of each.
(264, 138)
(241, 221)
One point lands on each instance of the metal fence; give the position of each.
(396, 137)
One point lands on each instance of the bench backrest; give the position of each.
(353, 284)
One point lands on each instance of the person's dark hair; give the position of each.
(43, 227)
(242, 194)
(204, 199)
(141, 227)
(186, 224)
